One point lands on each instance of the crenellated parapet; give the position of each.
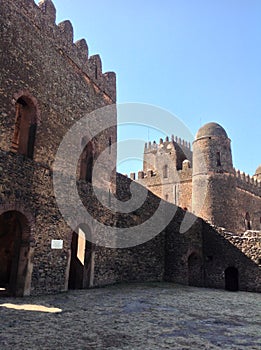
(151, 146)
(142, 174)
(248, 183)
(43, 18)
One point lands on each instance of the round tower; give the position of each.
(213, 179)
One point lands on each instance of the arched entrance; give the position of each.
(15, 270)
(195, 270)
(231, 279)
(81, 260)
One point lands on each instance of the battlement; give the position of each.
(43, 18)
(151, 146)
(185, 171)
(248, 183)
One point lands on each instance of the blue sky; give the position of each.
(198, 59)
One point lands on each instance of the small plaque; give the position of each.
(57, 244)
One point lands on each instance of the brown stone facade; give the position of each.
(48, 83)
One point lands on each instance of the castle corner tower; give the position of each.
(213, 179)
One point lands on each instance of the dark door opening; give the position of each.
(231, 279)
(80, 267)
(14, 253)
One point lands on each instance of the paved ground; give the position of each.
(142, 316)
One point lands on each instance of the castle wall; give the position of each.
(53, 69)
(223, 250)
(141, 263)
(144, 262)
(41, 63)
(180, 246)
(248, 200)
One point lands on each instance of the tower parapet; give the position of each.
(185, 145)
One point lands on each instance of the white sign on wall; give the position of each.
(57, 244)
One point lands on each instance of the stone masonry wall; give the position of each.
(39, 60)
(223, 249)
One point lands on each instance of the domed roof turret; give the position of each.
(258, 170)
(211, 129)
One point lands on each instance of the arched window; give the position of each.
(86, 166)
(165, 171)
(25, 127)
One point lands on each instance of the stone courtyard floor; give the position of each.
(136, 316)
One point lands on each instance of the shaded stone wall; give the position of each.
(223, 250)
(179, 247)
(141, 263)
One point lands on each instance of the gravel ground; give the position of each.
(135, 316)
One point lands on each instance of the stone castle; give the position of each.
(48, 82)
(203, 181)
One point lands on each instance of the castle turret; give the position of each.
(213, 180)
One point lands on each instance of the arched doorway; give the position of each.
(231, 279)
(195, 270)
(81, 260)
(15, 270)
